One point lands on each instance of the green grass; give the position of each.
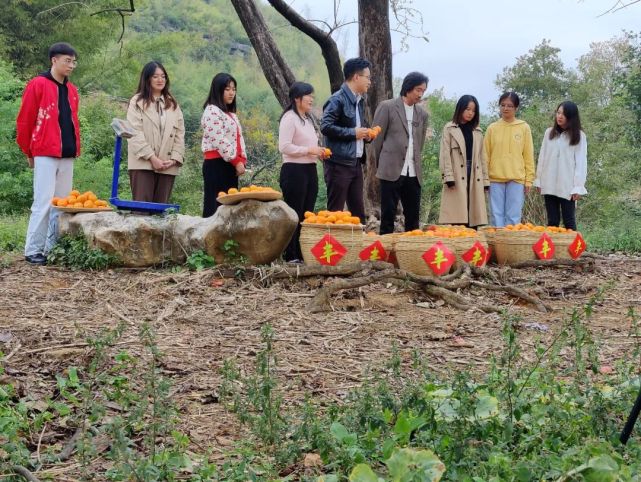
(13, 228)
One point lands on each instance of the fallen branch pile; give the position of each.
(447, 288)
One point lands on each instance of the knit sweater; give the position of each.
(509, 152)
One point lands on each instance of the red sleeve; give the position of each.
(27, 116)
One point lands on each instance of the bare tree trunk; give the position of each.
(375, 44)
(278, 74)
(322, 38)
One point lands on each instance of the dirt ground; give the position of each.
(46, 315)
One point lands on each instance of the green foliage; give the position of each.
(550, 419)
(199, 260)
(75, 253)
(12, 233)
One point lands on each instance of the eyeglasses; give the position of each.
(69, 61)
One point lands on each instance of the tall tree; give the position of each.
(375, 44)
(321, 37)
(278, 74)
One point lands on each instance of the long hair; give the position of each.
(461, 105)
(218, 85)
(573, 128)
(144, 85)
(297, 91)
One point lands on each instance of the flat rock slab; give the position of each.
(261, 231)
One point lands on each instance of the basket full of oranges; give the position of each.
(513, 244)
(260, 193)
(334, 231)
(77, 202)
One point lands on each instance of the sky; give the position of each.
(471, 41)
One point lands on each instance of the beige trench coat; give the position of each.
(452, 162)
(148, 141)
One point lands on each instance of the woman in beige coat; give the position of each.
(155, 153)
(463, 167)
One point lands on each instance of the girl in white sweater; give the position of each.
(562, 168)
(223, 144)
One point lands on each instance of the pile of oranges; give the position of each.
(331, 217)
(373, 132)
(251, 188)
(444, 232)
(531, 227)
(76, 200)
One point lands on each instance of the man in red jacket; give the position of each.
(48, 132)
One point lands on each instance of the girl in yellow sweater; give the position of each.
(510, 160)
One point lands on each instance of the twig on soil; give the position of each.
(586, 263)
(20, 470)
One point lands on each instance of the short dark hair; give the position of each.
(354, 66)
(61, 48)
(513, 97)
(218, 85)
(297, 91)
(411, 80)
(461, 105)
(573, 129)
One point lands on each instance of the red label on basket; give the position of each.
(488, 254)
(374, 252)
(544, 247)
(439, 258)
(328, 250)
(577, 247)
(476, 255)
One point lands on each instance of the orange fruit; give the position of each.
(82, 198)
(92, 197)
(232, 190)
(88, 204)
(61, 202)
(222, 193)
(244, 189)
(77, 205)
(308, 214)
(74, 193)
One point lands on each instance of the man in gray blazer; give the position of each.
(397, 150)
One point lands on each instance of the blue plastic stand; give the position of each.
(132, 205)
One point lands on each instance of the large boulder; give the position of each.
(261, 231)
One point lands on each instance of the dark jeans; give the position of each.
(150, 186)
(218, 175)
(408, 191)
(299, 183)
(557, 207)
(345, 185)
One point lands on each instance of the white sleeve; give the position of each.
(581, 166)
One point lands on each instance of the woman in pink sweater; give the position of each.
(298, 143)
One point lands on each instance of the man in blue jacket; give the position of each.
(345, 131)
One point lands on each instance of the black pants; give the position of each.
(345, 185)
(218, 175)
(408, 191)
(299, 183)
(557, 207)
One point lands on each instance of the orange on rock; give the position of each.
(222, 193)
(232, 190)
(61, 202)
(74, 193)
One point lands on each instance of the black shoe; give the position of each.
(39, 259)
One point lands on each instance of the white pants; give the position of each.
(51, 177)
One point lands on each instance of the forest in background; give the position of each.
(197, 38)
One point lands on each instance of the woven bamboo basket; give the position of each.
(462, 245)
(349, 235)
(387, 240)
(562, 242)
(410, 249)
(513, 247)
(489, 232)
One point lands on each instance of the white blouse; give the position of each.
(562, 169)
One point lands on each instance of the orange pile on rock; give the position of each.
(444, 232)
(251, 188)
(77, 200)
(331, 217)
